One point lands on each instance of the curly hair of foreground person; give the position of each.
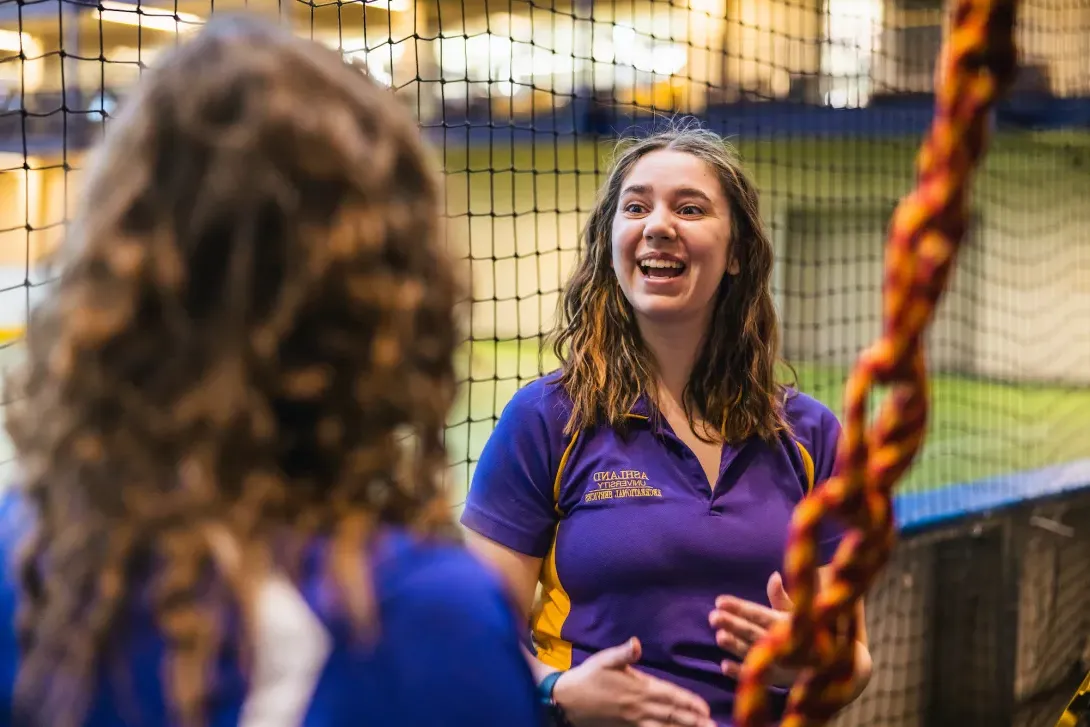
(249, 346)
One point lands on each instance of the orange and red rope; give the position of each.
(975, 68)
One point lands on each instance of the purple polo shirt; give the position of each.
(634, 541)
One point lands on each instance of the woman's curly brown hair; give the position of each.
(250, 344)
(604, 365)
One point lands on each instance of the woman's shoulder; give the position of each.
(816, 430)
(16, 521)
(14, 512)
(410, 568)
(804, 412)
(543, 397)
(405, 565)
(407, 568)
(440, 609)
(535, 417)
(813, 426)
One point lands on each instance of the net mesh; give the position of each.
(827, 101)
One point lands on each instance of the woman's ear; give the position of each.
(733, 266)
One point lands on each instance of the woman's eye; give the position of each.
(691, 210)
(633, 208)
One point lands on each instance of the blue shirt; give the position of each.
(448, 653)
(634, 540)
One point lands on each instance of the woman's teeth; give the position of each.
(661, 268)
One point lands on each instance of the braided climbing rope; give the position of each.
(976, 66)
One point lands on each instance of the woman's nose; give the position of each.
(658, 225)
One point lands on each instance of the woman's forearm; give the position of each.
(538, 668)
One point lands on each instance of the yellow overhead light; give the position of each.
(14, 41)
(33, 68)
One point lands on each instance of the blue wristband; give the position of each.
(553, 711)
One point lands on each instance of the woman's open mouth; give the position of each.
(661, 268)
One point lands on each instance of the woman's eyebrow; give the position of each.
(636, 189)
(692, 192)
(680, 192)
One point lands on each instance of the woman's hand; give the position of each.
(740, 624)
(607, 691)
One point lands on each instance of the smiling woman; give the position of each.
(649, 483)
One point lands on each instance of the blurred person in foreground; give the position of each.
(229, 424)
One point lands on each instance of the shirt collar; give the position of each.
(641, 408)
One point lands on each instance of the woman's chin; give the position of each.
(664, 309)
